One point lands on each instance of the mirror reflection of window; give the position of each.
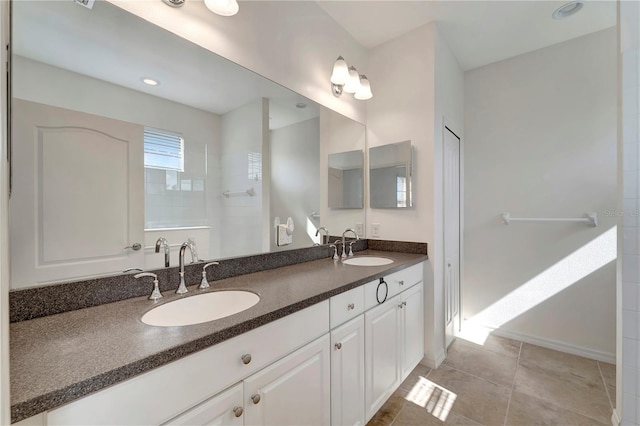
(401, 191)
(173, 196)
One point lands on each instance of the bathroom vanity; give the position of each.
(328, 343)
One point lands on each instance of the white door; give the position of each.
(451, 169)
(223, 409)
(347, 373)
(78, 194)
(412, 329)
(382, 354)
(294, 391)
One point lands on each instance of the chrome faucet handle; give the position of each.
(351, 248)
(155, 294)
(335, 251)
(204, 283)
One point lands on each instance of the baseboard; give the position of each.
(615, 420)
(558, 346)
(434, 362)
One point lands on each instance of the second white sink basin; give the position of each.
(201, 308)
(367, 261)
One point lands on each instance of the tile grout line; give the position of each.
(513, 385)
(606, 388)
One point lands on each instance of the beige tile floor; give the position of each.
(504, 382)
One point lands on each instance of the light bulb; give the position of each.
(353, 83)
(222, 7)
(340, 73)
(364, 92)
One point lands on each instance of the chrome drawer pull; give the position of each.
(401, 282)
(338, 345)
(237, 411)
(246, 358)
(255, 398)
(351, 306)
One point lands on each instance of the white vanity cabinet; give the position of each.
(335, 362)
(394, 345)
(347, 373)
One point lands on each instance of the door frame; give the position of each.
(450, 126)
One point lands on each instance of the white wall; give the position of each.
(293, 43)
(38, 82)
(540, 134)
(628, 305)
(418, 85)
(295, 179)
(243, 132)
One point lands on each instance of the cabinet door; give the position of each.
(347, 373)
(223, 409)
(412, 313)
(293, 391)
(382, 354)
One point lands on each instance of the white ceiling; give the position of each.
(478, 32)
(113, 47)
(120, 48)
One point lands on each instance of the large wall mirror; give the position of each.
(123, 133)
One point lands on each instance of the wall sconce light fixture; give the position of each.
(220, 7)
(347, 79)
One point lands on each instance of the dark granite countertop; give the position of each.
(59, 358)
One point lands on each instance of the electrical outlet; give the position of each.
(375, 230)
(359, 230)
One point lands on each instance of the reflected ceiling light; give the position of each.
(222, 7)
(347, 79)
(568, 9)
(150, 81)
(301, 105)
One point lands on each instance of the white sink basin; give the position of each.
(201, 308)
(367, 261)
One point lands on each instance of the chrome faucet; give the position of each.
(163, 242)
(182, 288)
(155, 294)
(326, 231)
(344, 247)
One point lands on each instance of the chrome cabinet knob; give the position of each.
(401, 282)
(255, 398)
(400, 306)
(338, 345)
(351, 306)
(246, 359)
(237, 411)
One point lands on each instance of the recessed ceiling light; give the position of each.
(150, 81)
(567, 9)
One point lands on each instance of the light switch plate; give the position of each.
(359, 230)
(375, 230)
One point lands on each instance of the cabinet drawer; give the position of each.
(402, 280)
(346, 305)
(223, 409)
(396, 283)
(165, 392)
